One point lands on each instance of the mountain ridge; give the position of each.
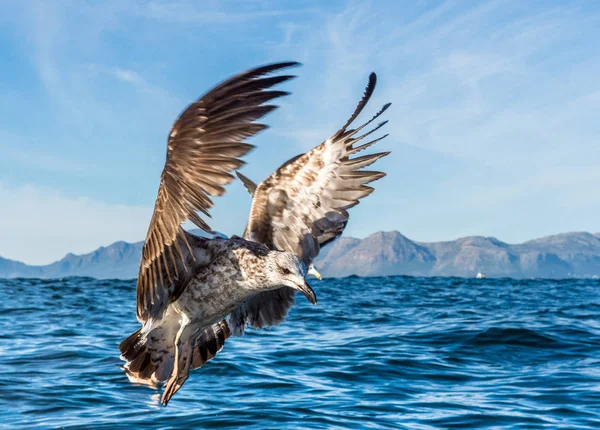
(564, 255)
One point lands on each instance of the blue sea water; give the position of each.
(396, 352)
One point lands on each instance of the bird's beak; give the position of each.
(313, 271)
(308, 292)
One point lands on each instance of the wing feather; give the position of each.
(302, 206)
(203, 148)
(317, 183)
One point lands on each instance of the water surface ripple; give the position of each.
(395, 352)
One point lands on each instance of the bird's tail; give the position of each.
(149, 356)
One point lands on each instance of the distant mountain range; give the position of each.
(384, 253)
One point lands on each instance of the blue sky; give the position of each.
(494, 127)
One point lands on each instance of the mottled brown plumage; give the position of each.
(204, 146)
(187, 285)
(304, 205)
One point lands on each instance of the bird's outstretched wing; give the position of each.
(204, 147)
(304, 205)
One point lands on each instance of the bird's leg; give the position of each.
(183, 371)
(178, 376)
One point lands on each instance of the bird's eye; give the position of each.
(286, 271)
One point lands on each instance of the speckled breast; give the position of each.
(214, 291)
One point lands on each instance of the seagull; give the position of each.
(193, 292)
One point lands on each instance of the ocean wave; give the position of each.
(384, 352)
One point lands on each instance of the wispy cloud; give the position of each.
(462, 75)
(493, 125)
(217, 13)
(46, 25)
(128, 76)
(14, 152)
(508, 88)
(134, 79)
(43, 225)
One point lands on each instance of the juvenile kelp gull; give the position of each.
(193, 292)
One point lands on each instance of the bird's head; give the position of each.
(286, 269)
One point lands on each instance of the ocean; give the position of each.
(389, 352)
